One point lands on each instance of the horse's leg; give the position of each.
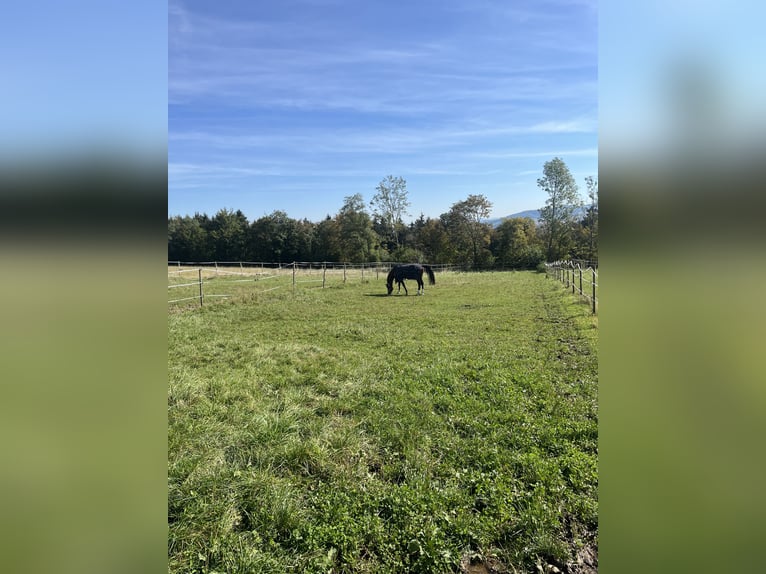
(405, 288)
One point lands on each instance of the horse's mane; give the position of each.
(390, 278)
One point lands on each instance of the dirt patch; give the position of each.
(488, 565)
(586, 556)
(587, 561)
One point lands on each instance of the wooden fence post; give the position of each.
(344, 273)
(324, 273)
(362, 272)
(580, 281)
(199, 271)
(293, 276)
(594, 291)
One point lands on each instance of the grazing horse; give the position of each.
(414, 271)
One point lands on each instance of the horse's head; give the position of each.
(390, 281)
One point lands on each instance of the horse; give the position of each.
(414, 271)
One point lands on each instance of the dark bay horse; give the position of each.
(414, 271)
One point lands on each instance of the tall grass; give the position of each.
(340, 430)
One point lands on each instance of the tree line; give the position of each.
(375, 231)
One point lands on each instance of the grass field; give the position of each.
(340, 430)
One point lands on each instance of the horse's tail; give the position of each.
(431, 278)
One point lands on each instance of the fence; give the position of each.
(216, 274)
(572, 275)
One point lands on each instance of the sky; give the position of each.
(295, 105)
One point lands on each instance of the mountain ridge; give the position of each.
(533, 214)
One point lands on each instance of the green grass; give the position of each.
(340, 430)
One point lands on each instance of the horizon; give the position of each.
(408, 221)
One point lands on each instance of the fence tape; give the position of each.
(185, 299)
(183, 285)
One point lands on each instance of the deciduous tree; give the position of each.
(557, 215)
(591, 217)
(515, 243)
(228, 232)
(470, 237)
(389, 204)
(358, 241)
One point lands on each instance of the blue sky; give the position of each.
(293, 105)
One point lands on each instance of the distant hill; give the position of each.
(533, 214)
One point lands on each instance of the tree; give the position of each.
(591, 218)
(358, 240)
(389, 205)
(327, 242)
(433, 241)
(228, 232)
(269, 238)
(187, 239)
(303, 239)
(469, 236)
(515, 243)
(557, 215)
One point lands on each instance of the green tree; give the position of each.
(267, 238)
(327, 240)
(432, 239)
(557, 216)
(358, 240)
(591, 217)
(515, 243)
(470, 237)
(228, 232)
(302, 241)
(389, 204)
(187, 239)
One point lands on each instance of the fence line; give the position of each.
(570, 273)
(253, 272)
(318, 265)
(211, 274)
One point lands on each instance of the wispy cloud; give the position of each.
(250, 62)
(371, 140)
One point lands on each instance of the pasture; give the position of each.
(343, 430)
